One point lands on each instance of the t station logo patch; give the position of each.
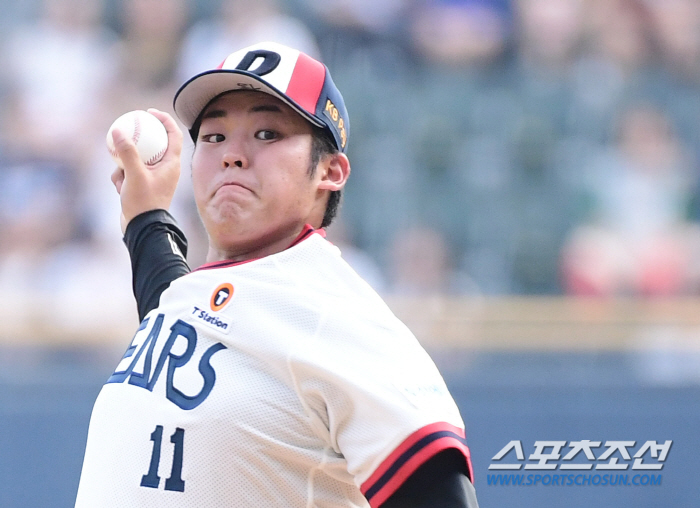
(221, 296)
(219, 299)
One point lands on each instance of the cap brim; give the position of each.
(195, 94)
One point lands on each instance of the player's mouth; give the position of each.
(233, 187)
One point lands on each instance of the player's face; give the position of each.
(250, 175)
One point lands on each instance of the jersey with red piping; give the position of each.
(281, 382)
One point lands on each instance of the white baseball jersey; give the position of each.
(279, 382)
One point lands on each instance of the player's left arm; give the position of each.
(379, 400)
(441, 482)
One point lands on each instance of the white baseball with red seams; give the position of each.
(146, 131)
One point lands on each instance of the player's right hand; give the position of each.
(143, 188)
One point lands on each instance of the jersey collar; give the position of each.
(306, 232)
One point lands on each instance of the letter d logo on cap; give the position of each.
(270, 62)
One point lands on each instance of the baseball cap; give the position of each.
(294, 77)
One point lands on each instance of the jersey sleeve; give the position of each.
(157, 248)
(379, 400)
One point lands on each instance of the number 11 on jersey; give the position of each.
(175, 482)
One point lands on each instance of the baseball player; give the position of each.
(272, 375)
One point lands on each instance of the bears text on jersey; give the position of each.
(150, 373)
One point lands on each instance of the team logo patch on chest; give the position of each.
(221, 296)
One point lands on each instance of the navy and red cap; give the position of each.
(294, 77)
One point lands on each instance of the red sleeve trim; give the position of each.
(410, 455)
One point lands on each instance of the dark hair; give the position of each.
(322, 144)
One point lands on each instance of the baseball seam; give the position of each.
(137, 129)
(156, 157)
(135, 138)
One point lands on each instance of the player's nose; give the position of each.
(234, 158)
(234, 155)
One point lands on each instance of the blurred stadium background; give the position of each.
(524, 194)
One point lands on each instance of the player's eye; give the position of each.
(212, 138)
(266, 135)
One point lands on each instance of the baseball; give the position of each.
(146, 131)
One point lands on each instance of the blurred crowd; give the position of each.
(497, 146)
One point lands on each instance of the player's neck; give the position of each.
(259, 248)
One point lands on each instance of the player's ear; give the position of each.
(334, 171)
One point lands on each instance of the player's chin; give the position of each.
(229, 217)
(231, 203)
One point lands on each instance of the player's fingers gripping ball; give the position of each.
(147, 133)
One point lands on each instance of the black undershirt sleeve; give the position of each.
(158, 250)
(441, 482)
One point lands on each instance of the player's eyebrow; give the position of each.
(262, 108)
(214, 113)
(272, 108)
